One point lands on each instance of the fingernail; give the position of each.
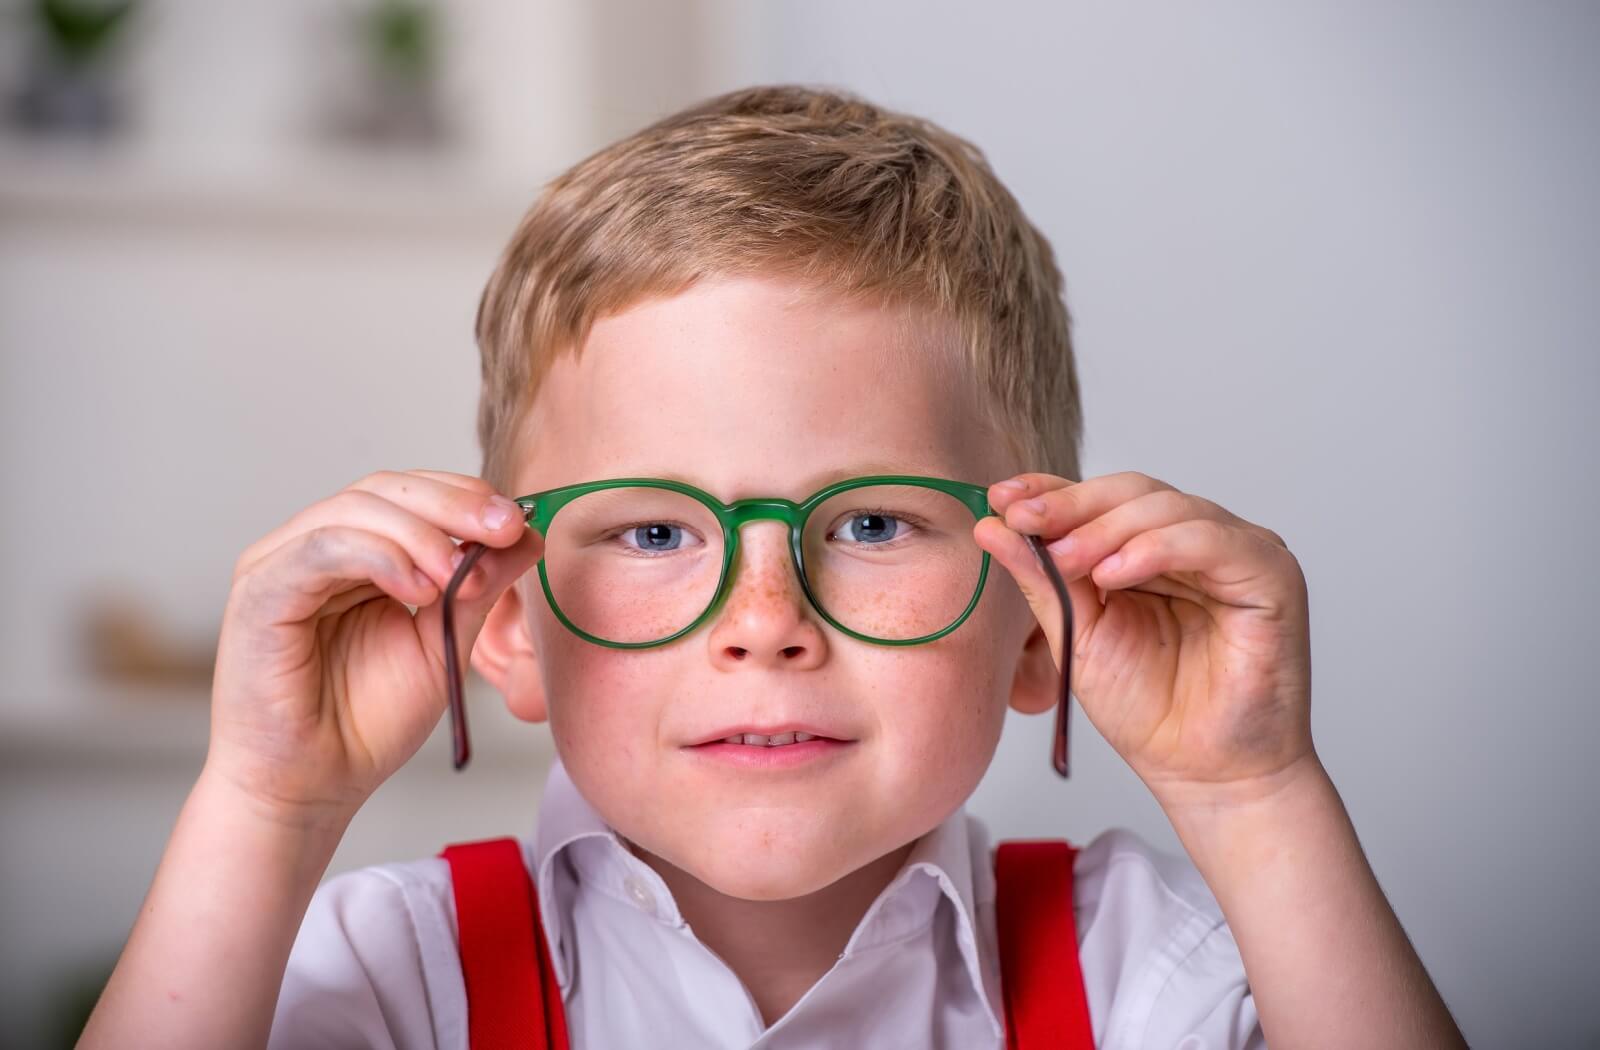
(1014, 485)
(497, 512)
(1035, 505)
(1111, 564)
(457, 558)
(1064, 546)
(424, 580)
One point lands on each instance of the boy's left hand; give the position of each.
(1196, 663)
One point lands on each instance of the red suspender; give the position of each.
(1040, 978)
(513, 1001)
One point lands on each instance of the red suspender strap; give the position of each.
(1046, 1008)
(513, 1001)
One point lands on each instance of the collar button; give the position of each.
(640, 894)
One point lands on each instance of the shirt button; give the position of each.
(641, 894)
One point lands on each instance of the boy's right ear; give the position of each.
(504, 655)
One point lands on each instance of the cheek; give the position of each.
(944, 715)
(601, 707)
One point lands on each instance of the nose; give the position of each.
(767, 621)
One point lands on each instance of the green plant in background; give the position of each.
(71, 86)
(404, 38)
(79, 33)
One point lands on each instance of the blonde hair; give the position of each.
(795, 181)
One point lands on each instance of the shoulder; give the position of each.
(375, 963)
(1158, 958)
(1118, 866)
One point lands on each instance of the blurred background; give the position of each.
(1333, 266)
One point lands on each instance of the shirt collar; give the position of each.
(950, 860)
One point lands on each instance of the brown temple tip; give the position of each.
(461, 745)
(1058, 748)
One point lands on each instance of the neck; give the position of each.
(779, 949)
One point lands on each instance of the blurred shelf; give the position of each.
(335, 190)
(163, 727)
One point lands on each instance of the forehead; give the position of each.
(757, 386)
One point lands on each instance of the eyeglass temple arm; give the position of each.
(1058, 752)
(452, 663)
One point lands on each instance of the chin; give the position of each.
(763, 867)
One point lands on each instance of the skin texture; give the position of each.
(1191, 655)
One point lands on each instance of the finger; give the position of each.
(1013, 552)
(1053, 512)
(1232, 565)
(1084, 545)
(294, 583)
(419, 512)
(470, 482)
(1002, 493)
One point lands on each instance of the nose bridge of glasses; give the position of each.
(751, 511)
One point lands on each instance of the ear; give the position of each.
(504, 654)
(1036, 684)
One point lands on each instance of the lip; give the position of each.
(832, 736)
(786, 756)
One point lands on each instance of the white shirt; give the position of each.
(376, 963)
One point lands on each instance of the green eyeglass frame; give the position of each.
(540, 508)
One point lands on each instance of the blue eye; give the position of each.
(876, 528)
(872, 528)
(657, 537)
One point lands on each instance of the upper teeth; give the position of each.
(769, 741)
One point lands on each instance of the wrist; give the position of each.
(269, 819)
(1237, 822)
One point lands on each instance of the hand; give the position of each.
(1192, 653)
(326, 682)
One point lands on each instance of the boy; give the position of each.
(754, 835)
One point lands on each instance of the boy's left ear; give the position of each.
(504, 654)
(1035, 685)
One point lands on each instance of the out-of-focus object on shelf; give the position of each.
(384, 89)
(73, 85)
(124, 643)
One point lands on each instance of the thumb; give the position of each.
(1012, 550)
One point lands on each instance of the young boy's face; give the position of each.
(760, 387)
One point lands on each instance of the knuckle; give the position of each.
(375, 480)
(242, 563)
(323, 546)
(1210, 531)
(1170, 502)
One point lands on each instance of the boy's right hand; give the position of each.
(325, 682)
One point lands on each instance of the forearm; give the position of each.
(1328, 962)
(206, 956)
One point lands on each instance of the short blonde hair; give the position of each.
(789, 180)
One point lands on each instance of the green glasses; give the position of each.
(633, 563)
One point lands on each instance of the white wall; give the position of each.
(1332, 266)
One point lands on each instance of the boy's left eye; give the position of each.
(873, 528)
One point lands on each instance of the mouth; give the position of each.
(789, 735)
(770, 748)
